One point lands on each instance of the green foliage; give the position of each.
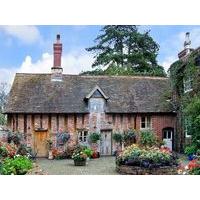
(114, 70)
(147, 138)
(18, 165)
(189, 150)
(94, 137)
(195, 171)
(192, 111)
(135, 155)
(88, 152)
(3, 152)
(130, 137)
(118, 137)
(124, 50)
(2, 119)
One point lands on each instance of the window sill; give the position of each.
(186, 91)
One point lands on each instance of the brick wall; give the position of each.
(71, 123)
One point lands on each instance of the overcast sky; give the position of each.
(29, 48)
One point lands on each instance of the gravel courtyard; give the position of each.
(101, 166)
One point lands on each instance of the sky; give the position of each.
(29, 49)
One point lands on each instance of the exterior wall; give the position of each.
(72, 123)
(160, 122)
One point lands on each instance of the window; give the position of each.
(145, 122)
(187, 84)
(96, 105)
(82, 136)
(187, 126)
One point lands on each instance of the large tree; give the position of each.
(125, 48)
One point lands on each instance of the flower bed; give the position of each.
(136, 159)
(193, 168)
(14, 159)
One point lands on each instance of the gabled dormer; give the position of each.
(96, 100)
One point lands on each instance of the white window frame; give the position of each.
(186, 122)
(83, 138)
(146, 123)
(187, 85)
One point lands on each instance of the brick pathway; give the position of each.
(101, 166)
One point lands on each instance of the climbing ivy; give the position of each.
(179, 71)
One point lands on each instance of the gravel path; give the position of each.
(101, 166)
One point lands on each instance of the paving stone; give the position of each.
(100, 166)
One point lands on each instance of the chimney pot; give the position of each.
(58, 38)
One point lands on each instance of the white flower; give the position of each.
(186, 167)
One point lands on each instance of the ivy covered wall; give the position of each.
(181, 71)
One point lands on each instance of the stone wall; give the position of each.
(134, 170)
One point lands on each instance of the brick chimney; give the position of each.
(57, 70)
(187, 49)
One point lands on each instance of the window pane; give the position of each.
(148, 122)
(165, 135)
(169, 134)
(143, 122)
(143, 125)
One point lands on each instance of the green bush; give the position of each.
(118, 137)
(136, 155)
(195, 171)
(147, 138)
(94, 137)
(129, 137)
(88, 152)
(18, 165)
(189, 150)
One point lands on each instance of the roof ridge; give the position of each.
(101, 76)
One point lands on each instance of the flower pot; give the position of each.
(50, 156)
(79, 162)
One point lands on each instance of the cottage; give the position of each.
(42, 105)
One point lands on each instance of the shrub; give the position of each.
(118, 137)
(18, 165)
(7, 150)
(135, 155)
(94, 137)
(147, 138)
(189, 150)
(130, 137)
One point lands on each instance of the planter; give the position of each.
(136, 170)
(50, 157)
(95, 155)
(79, 162)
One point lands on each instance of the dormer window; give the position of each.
(96, 100)
(96, 105)
(187, 84)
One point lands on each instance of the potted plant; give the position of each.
(118, 138)
(94, 138)
(50, 147)
(79, 157)
(190, 151)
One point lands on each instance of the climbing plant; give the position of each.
(188, 102)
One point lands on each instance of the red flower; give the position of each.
(193, 164)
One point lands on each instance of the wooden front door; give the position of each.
(106, 143)
(40, 143)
